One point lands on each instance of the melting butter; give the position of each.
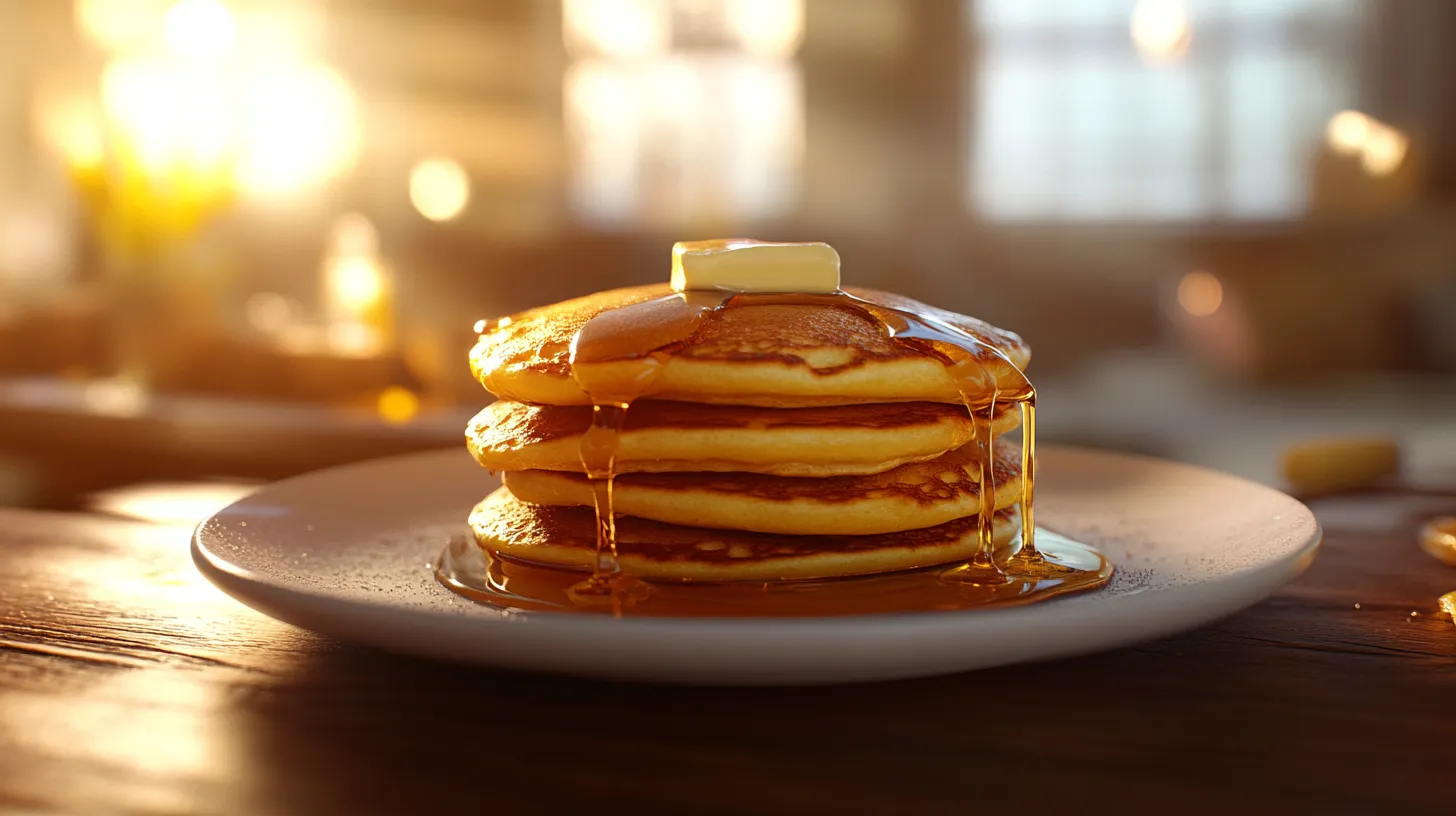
(742, 265)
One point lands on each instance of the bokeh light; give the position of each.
(1200, 294)
(119, 25)
(300, 127)
(770, 28)
(398, 406)
(1382, 149)
(1347, 131)
(200, 28)
(1161, 29)
(616, 28)
(439, 189)
(166, 115)
(357, 283)
(357, 291)
(1385, 150)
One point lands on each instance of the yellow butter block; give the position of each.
(1340, 464)
(742, 265)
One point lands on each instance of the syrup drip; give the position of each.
(1028, 551)
(979, 392)
(962, 353)
(618, 356)
(599, 458)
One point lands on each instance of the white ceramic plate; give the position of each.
(349, 552)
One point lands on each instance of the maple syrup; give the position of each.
(638, 338)
(617, 357)
(468, 570)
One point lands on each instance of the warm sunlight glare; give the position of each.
(616, 28)
(119, 25)
(770, 28)
(357, 283)
(300, 128)
(200, 28)
(181, 503)
(166, 116)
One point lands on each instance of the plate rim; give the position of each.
(236, 580)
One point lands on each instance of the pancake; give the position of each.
(769, 355)
(920, 494)
(660, 437)
(566, 537)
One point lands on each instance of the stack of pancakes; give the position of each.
(778, 442)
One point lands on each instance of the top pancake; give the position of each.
(773, 355)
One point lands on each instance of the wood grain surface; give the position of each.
(129, 685)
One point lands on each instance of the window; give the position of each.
(1153, 111)
(683, 112)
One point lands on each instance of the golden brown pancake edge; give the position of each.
(694, 437)
(774, 356)
(920, 494)
(565, 537)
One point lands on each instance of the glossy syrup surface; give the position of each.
(617, 357)
(1067, 566)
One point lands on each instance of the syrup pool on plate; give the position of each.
(1067, 567)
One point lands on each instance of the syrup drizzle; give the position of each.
(1028, 552)
(963, 355)
(979, 389)
(618, 356)
(599, 460)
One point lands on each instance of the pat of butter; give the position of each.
(754, 266)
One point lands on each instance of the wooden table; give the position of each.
(129, 685)
(83, 437)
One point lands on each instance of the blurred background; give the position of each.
(241, 239)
